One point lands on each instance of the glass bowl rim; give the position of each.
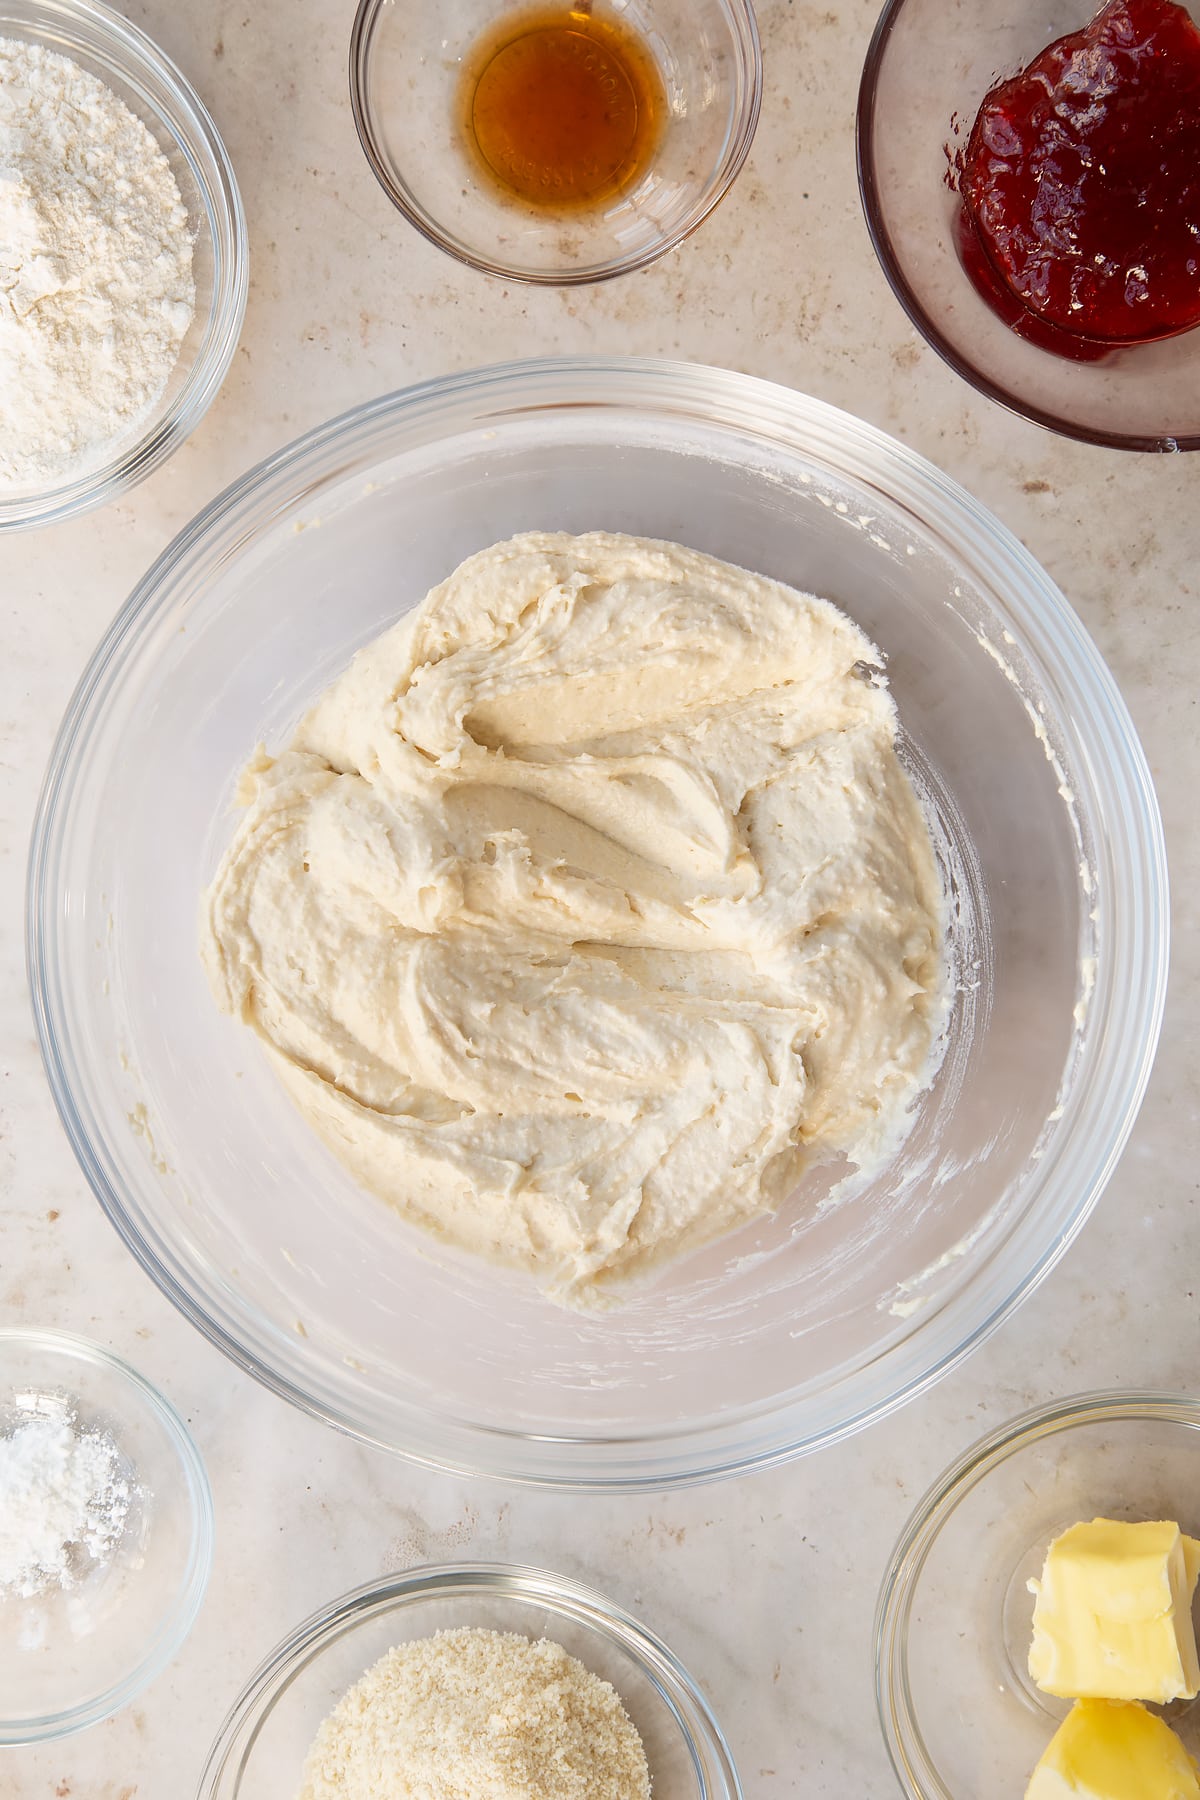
(762, 1433)
(559, 1594)
(744, 27)
(1163, 443)
(902, 1733)
(178, 1620)
(137, 55)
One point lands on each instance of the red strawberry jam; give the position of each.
(1082, 181)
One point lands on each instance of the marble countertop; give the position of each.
(765, 1586)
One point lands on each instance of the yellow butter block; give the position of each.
(1113, 1614)
(1114, 1750)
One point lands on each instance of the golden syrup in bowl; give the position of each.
(560, 109)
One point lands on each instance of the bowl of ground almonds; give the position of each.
(475, 1681)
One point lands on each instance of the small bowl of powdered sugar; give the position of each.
(106, 1534)
(123, 263)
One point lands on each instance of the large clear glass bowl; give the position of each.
(802, 1326)
(260, 1751)
(406, 66)
(124, 58)
(961, 1716)
(927, 70)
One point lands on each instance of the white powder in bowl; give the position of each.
(96, 287)
(65, 1495)
(478, 1715)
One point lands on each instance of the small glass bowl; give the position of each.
(71, 1657)
(125, 59)
(261, 1748)
(406, 62)
(961, 1716)
(927, 70)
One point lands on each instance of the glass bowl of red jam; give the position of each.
(1031, 182)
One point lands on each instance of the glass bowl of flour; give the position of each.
(106, 1534)
(123, 267)
(854, 1291)
(263, 1748)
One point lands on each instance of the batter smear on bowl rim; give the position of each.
(589, 906)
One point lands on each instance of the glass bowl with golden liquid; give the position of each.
(556, 143)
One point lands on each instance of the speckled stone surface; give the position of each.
(765, 1587)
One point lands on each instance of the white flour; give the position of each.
(96, 288)
(65, 1496)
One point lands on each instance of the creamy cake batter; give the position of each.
(588, 905)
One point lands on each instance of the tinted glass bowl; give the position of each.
(927, 69)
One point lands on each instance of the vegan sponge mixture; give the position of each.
(589, 905)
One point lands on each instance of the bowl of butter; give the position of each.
(1035, 1632)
